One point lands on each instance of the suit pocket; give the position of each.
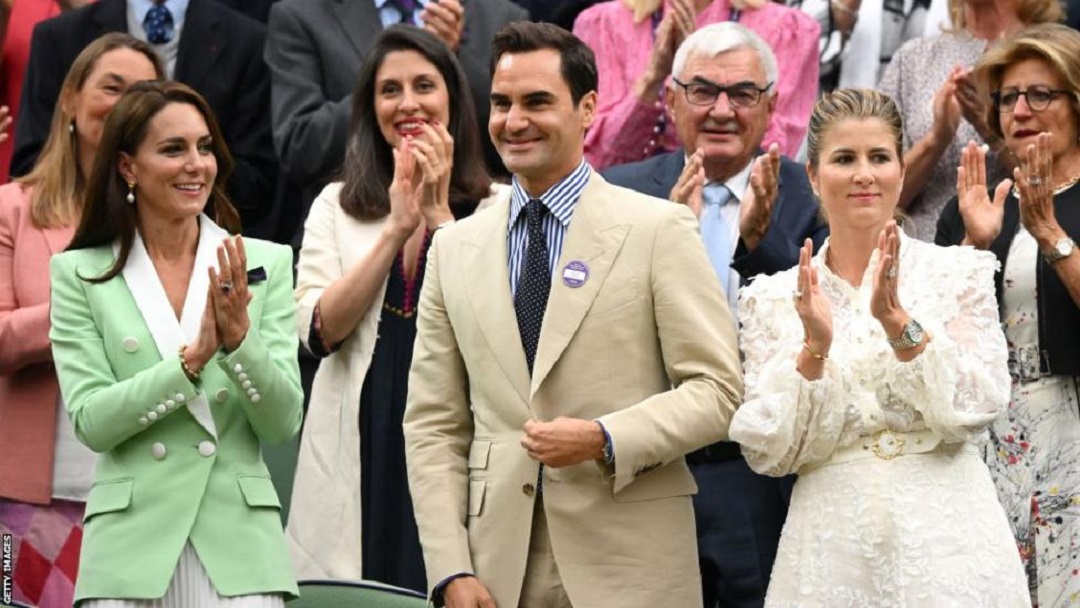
(479, 452)
(109, 497)
(258, 492)
(477, 489)
(664, 482)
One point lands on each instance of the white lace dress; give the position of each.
(917, 530)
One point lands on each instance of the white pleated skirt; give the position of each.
(191, 588)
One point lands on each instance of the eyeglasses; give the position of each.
(1037, 97)
(701, 92)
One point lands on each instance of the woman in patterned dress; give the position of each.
(1032, 227)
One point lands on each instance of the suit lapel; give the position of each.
(359, 21)
(487, 278)
(149, 296)
(594, 238)
(201, 42)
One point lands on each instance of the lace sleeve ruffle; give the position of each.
(960, 382)
(786, 421)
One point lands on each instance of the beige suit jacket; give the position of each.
(651, 316)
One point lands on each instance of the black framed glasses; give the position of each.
(701, 92)
(1038, 98)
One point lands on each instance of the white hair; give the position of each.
(723, 37)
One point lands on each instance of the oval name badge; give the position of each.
(575, 274)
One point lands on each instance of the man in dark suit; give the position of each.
(754, 210)
(214, 49)
(315, 50)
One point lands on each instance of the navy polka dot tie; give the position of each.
(533, 288)
(158, 23)
(407, 8)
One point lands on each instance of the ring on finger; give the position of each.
(891, 272)
(1035, 180)
(797, 294)
(226, 287)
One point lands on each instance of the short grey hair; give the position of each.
(722, 37)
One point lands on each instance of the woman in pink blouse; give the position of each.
(635, 41)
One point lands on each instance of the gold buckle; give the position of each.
(887, 444)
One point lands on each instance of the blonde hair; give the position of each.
(644, 8)
(1057, 45)
(56, 177)
(847, 104)
(1029, 12)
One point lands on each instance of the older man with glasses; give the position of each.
(755, 209)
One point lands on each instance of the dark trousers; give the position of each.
(740, 515)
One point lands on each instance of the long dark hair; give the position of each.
(369, 162)
(107, 216)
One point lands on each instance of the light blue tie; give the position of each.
(715, 231)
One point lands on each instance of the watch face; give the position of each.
(914, 332)
(1064, 247)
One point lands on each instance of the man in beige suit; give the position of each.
(573, 344)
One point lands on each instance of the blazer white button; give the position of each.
(143, 420)
(252, 391)
(170, 403)
(246, 384)
(222, 395)
(158, 450)
(130, 344)
(238, 368)
(256, 398)
(207, 448)
(152, 416)
(180, 397)
(161, 409)
(242, 376)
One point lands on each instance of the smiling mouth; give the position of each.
(1025, 133)
(190, 188)
(410, 127)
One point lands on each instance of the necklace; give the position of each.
(1058, 189)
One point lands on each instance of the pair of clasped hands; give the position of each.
(225, 319)
(424, 196)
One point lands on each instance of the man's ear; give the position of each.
(126, 166)
(587, 105)
(669, 101)
(772, 101)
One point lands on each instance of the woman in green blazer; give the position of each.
(175, 346)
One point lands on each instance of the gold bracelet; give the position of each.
(191, 374)
(813, 353)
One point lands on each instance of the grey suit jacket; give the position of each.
(315, 49)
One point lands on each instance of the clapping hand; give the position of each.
(884, 300)
(688, 189)
(813, 307)
(677, 24)
(445, 19)
(972, 105)
(982, 217)
(434, 153)
(755, 212)
(229, 292)
(1036, 191)
(405, 213)
(947, 110)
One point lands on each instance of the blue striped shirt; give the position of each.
(560, 200)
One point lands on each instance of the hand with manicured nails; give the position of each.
(231, 304)
(982, 217)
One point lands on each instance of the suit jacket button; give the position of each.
(170, 404)
(151, 415)
(143, 420)
(238, 368)
(256, 398)
(158, 450)
(207, 448)
(130, 344)
(180, 397)
(246, 384)
(161, 409)
(242, 376)
(222, 395)
(528, 490)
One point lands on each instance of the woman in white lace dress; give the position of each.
(872, 371)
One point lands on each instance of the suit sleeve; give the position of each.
(438, 431)
(41, 89)
(104, 410)
(24, 330)
(310, 130)
(699, 345)
(268, 358)
(251, 186)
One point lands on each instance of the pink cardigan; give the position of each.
(28, 387)
(624, 126)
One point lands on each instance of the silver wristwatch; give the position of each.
(1062, 249)
(911, 336)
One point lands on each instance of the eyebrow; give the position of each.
(180, 140)
(741, 83)
(114, 77)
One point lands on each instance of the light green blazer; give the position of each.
(178, 461)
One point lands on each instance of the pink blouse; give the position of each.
(623, 128)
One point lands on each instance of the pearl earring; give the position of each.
(131, 193)
(71, 127)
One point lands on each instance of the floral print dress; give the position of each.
(1034, 454)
